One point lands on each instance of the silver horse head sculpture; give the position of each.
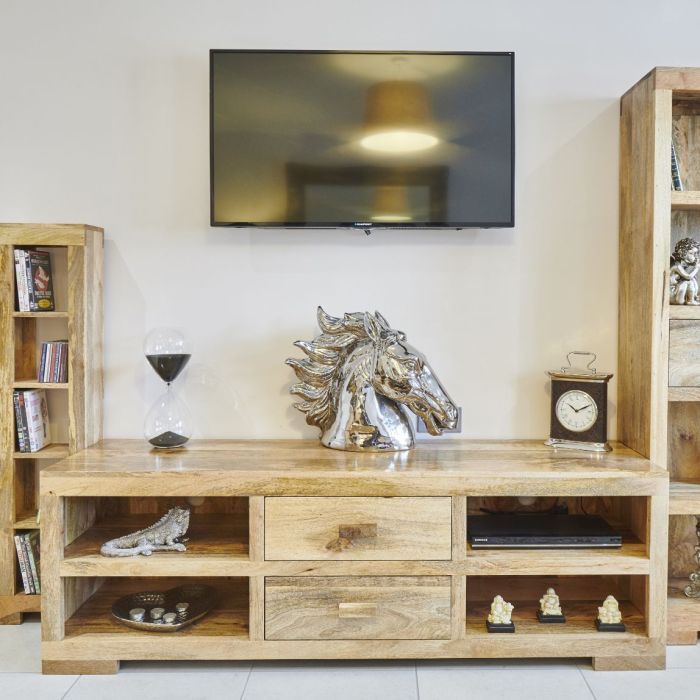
(358, 380)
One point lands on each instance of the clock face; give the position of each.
(576, 411)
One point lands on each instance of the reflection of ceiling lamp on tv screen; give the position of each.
(319, 139)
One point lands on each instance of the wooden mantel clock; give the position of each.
(579, 406)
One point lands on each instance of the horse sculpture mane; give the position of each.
(319, 375)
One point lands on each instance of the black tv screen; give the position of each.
(324, 139)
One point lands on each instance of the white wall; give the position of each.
(104, 120)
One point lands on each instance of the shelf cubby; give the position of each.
(93, 618)
(579, 596)
(217, 537)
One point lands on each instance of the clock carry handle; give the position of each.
(585, 353)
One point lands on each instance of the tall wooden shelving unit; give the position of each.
(659, 342)
(75, 408)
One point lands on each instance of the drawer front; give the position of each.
(357, 607)
(357, 528)
(684, 353)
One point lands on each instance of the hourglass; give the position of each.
(168, 423)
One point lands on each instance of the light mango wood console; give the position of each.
(320, 554)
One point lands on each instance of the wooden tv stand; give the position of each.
(320, 554)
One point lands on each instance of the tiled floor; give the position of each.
(20, 679)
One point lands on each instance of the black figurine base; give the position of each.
(614, 627)
(548, 619)
(495, 628)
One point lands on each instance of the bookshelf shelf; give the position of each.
(685, 201)
(36, 384)
(75, 407)
(53, 451)
(631, 558)
(39, 314)
(26, 522)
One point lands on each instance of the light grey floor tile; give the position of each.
(672, 684)
(332, 682)
(505, 684)
(683, 656)
(20, 647)
(20, 686)
(176, 685)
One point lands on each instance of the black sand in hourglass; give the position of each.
(168, 366)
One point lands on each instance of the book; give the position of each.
(40, 281)
(676, 182)
(21, 421)
(32, 419)
(21, 280)
(25, 551)
(37, 419)
(53, 366)
(34, 280)
(18, 421)
(33, 550)
(21, 563)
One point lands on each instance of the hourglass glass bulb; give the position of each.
(167, 351)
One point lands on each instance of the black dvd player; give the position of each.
(540, 531)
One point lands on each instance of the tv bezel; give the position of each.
(366, 226)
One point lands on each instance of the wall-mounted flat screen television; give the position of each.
(321, 139)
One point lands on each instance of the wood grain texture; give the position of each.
(304, 468)
(684, 441)
(404, 528)
(85, 668)
(408, 607)
(7, 438)
(46, 234)
(684, 354)
(629, 663)
(684, 498)
(683, 614)
(680, 80)
(685, 201)
(645, 201)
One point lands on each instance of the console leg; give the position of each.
(14, 619)
(79, 668)
(682, 637)
(629, 663)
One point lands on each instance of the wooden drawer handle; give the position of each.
(349, 534)
(357, 609)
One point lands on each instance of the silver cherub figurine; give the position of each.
(685, 263)
(359, 380)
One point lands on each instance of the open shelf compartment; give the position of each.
(217, 535)
(229, 616)
(580, 597)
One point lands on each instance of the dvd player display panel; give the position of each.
(541, 531)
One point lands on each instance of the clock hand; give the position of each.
(582, 407)
(571, 407)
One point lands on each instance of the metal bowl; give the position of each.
(201, 600)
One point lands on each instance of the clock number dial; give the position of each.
(576, 411)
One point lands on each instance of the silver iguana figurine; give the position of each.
(164, 536)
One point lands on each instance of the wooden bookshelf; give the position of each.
(75, 407)
(260, 537)
(659, 372)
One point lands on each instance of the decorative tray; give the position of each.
(179, 606)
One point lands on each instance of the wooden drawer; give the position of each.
(684, 353)
(357, 607)
(358, 528)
